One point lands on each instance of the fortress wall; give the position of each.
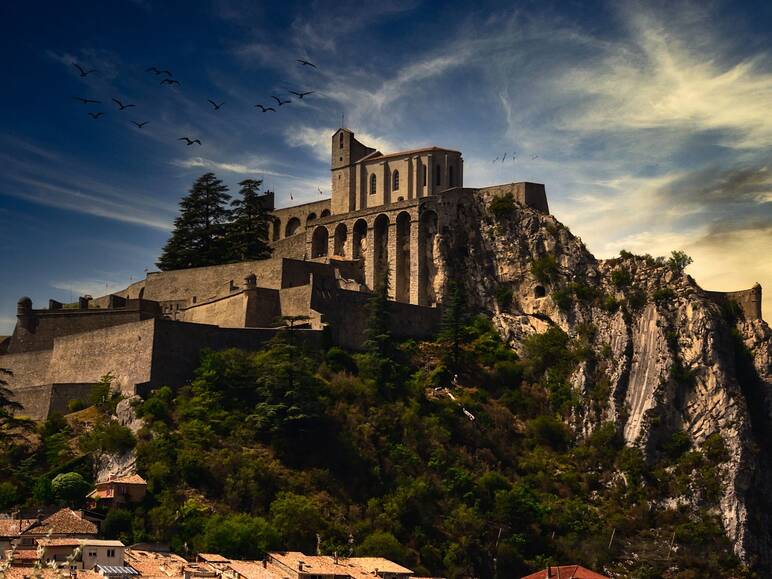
(346, 313)
(301, 212)
(531, 195)
(293, 247)
(133, 292)
(126, 351)
(204, 282)
(61, 394)
(263, 307)
(229, 312)
(178, 346)
(296, 301)
(36, 400)
(749, 300)
(47, 325)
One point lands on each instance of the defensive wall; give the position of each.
(290, 221)
(748, 300)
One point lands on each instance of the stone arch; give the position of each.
(340, 239)
(380, 248)
(359, 240)
(141, 293)
(276, 234)
(539, 291)
(324, 213)
(428, 233)
(319, 241)
(311, 217)
(402, 283)
(292, 227)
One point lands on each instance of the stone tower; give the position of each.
(345, 152)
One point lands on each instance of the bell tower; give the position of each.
(345, 152)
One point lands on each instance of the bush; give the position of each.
(340, 361)
(70, 487)
(662, 295)
(715, 449)
(636, 300)
(238, 536)
(610, 304)
(297, 520)
(621, 277)
(503, 206)
(503, 296)
(678, 444)
(549, 431)
(383, 544)
(76, 405)
(117, 525)
(108, 437)
(544, 268)
(562, 298)
(679, 261)
(9, 495)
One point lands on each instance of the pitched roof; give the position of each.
(155, 564)
(373, 564)
(132, 479)
(566, 572)
(377, 155)
(64, 522)
(212, 558)
(254, 570)
(45, 573)
(14, 527)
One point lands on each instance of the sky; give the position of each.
(650, 123)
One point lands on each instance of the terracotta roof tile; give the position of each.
(13, 527)
(566, 572)
(254, 570)
(372, 564)
(63, 522)
(132, 479)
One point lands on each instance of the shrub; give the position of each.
(610, 304)
(340, 361)
(677, 445)
(662, 295)
(548, 431)
(621, 277)
(503, 296)
(117, 524)
(238, 536)
(715, 449)
(679, 261)
(76, 405)
(503, 206)
(624, 254)
(9, 495)
(544, 268)
(636, 300)
(297, 519)
(383, 544)
(108, 437)
(562, 298)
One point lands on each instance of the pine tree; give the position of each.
(454, 319)
(198, 238)
(247, 237)
(378, 334)
(8, 408)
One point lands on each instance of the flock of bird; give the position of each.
(169, 80)
(512, 156)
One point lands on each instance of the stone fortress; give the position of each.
(389, 214)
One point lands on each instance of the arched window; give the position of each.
(395, 181)
(437, 175)
(340, 140)
(450, 177)
(373, 183)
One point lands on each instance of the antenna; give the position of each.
(342, 119)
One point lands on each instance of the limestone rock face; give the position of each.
(674, 358)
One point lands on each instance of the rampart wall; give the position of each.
(531, 195)
(749, 300)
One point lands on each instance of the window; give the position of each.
(340, 140)
(395, 181)
(437, 175)
(450, 177)
(422, 168)
(373, 183)
(111, 552)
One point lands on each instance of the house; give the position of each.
(83, 553)
(118, 491)
(10, 531)
(63, 524)
(565, 572)
(296, 565)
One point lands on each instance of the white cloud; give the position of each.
(239, 168)
(318, 140)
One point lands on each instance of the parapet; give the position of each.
(532, 195)
(748, 300)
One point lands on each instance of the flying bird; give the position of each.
(306, 63)
(265, 109)
(279, 101)
(121, 105)
(96, 115)
(215, 105)
(170, 81)
(87, 101)
(300, 95)
(157, 71)
(504, 158)
(534, 157)
(494, 160)
(189, 141)
(83, 72)
(140, 125)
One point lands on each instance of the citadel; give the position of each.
(389, 214)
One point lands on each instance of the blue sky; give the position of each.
(649, 122)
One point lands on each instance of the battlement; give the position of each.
(749, 300)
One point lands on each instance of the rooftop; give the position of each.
(63, 522)
(565, 572)
(14, 527)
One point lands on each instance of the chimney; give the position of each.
(265, 563)
(300, 566)
(83, 302)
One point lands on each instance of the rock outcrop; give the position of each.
(674, 358)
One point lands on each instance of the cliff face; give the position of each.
(669, 357)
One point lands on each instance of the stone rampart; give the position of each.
(531, 195)
(748, 300)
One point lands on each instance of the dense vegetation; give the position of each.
(212, 229)
(369, 452)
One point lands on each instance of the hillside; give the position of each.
(606, 413)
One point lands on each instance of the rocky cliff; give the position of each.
(667, 356)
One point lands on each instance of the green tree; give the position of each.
(383, 544)
(199, 232)
(9, 422)
(297, 519)
(679, 261)
(454, 320)
(70, 487)
(378, 332)
(247, 233)
(238, 536)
